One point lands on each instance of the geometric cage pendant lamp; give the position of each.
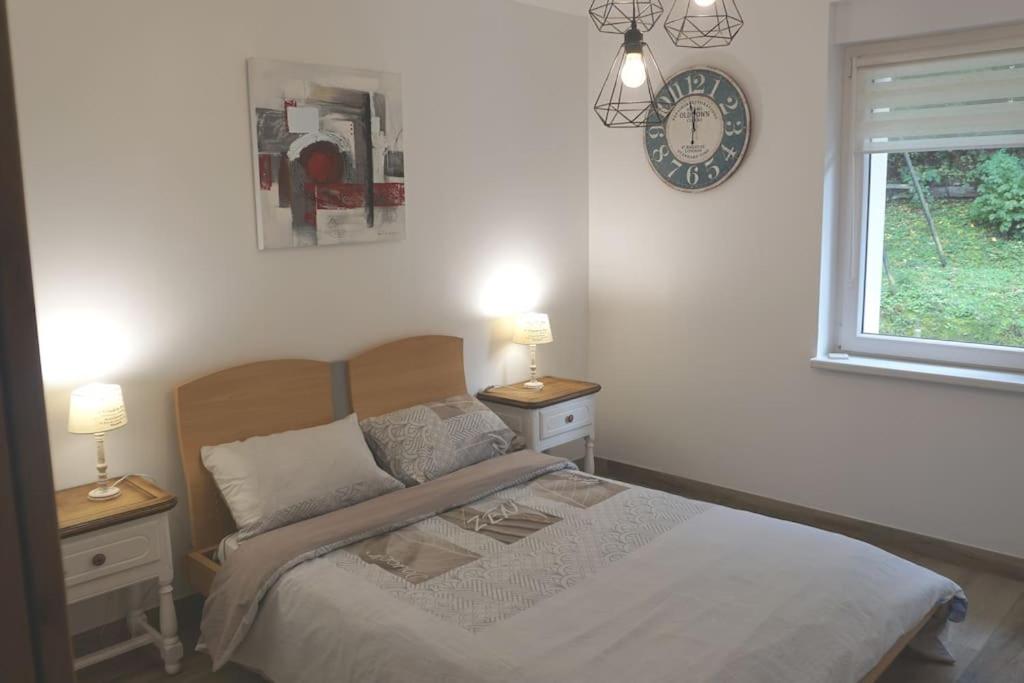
(628, 95)
(618, 16)
(703, 23)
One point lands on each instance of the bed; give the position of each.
(521, 568)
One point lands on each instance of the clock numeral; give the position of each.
(730, 153)
(714, 89)
(660, 154)
(733, 128)
(695, 82)
(714, 172)
(692, 175)
(678, 165)
(656, 132)
(729, 104)
(675, 91)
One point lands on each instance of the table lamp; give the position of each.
(533, 329)
(97, 409)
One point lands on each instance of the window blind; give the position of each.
(966, 102)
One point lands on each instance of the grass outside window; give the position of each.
(978, 297)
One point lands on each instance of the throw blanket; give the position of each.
(520, 568)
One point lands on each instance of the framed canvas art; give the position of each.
(329, 165)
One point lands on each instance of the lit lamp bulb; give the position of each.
(633, 73)
(705, 3)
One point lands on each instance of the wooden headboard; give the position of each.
(234, 404)
(281, 395)
(405, 373)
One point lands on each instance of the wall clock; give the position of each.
(706, 130)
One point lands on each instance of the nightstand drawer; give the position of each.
(113, 550)
(566, 417)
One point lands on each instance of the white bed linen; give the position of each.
(694, 604)
(227, 545)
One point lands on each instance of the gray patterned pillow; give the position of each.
(428, 441)
(271, 481)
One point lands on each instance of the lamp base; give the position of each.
(102, 494)
(535, 385)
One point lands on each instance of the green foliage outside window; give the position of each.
(978, 297)
(944, 169)
(1000, 202)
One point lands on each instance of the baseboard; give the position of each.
(869, 532)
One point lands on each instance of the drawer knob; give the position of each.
(569, 419)
(99, 559)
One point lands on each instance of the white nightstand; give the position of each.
(563, 411)
(118, 544)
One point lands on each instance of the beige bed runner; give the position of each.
(252, 569)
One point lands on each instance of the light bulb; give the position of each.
(634, 73)
(705, 3)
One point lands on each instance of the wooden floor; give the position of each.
(989, 646)
(144, 665)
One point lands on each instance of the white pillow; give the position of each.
(271, 481)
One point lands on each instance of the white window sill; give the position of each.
(1001, 380)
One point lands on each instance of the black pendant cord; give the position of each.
(634, 39)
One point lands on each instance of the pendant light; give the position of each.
(703, 23)
(627, 97)
(618, 16)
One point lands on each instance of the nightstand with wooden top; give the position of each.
(561, 412)
(120, 543)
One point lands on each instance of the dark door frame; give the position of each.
(34, 642)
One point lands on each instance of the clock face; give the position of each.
(706, 130)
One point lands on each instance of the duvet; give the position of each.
(521, 568)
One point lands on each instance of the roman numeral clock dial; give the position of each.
(705, 133)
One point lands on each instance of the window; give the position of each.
(931, 236)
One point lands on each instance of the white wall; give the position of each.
(703, 308)
(862, 20)
(578, 7)
(704, 311)
(135, 139)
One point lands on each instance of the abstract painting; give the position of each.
(328, 159)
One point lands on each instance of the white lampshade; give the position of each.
(96, 409)
(533, 328)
